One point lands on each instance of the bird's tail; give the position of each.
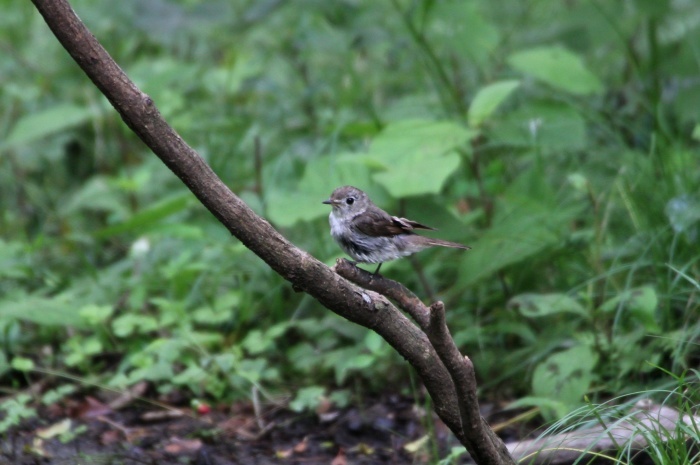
(442, 243)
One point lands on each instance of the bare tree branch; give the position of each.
(358, 305)
(461, 370)
(396, 291)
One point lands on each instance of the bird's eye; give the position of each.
(350, 200)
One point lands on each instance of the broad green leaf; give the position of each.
(257, 342)
(354, 362)
(307, 398)
(192, 376)
(462, 28)
(537, 305)
(321, 176)
(417, 136)
(211, 316)
(418, 156)
(696, 132)
(150, 216)
(488, 99)
(98, 194)
(640, 303)
(683, 213)
(418, 174)
(523, 227)
(14, 260)
(61, 310)
(374, 342)
(95, 314)
(548, 126)
(129, 324)
(22, 364)
(557, 67)
(565, 377)
(34, 126)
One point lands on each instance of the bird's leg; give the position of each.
(376, 272)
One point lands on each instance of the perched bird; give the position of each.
(369, 234)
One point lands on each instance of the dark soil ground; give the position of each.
(385, 431)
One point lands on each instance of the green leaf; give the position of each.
(96, 195)
(22, 364)
(353, 362)
(129, 324)
(418, 156)
(557, 67)
(374, 342)
(307, 398)
(462, 28)
(549, 126)
(639, 303)
(60, 310)
(417, 136)
(537, 305)
(696, 132)
(321, 176)
(34, 126)
(683, 213)
(418, 174)
(150, 216)
(539, 225)
(565, 377)
(488, 99)
(96, 314)
(257, 342)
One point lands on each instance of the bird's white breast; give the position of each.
(338, 225)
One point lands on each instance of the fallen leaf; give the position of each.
(183, 446)
(301, 447)
(109, 437)
(54, 430)
(284, 454)
(128, 396)
(341, 458)
(38, 447)
(365, 449)
(415, 446)
(93, 408)
(161, 415)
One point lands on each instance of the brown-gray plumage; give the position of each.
(369, 234)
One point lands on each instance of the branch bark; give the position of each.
(304, 272)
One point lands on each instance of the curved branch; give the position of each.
(302, 270)
(396, 291)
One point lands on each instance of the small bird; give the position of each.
(369, 234)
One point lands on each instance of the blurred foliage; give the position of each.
(555, 138)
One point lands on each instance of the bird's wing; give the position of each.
(377, 223)
(410, 224)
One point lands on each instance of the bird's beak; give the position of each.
(328, 202)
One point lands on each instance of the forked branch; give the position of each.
(303, 271)
(482, 441)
